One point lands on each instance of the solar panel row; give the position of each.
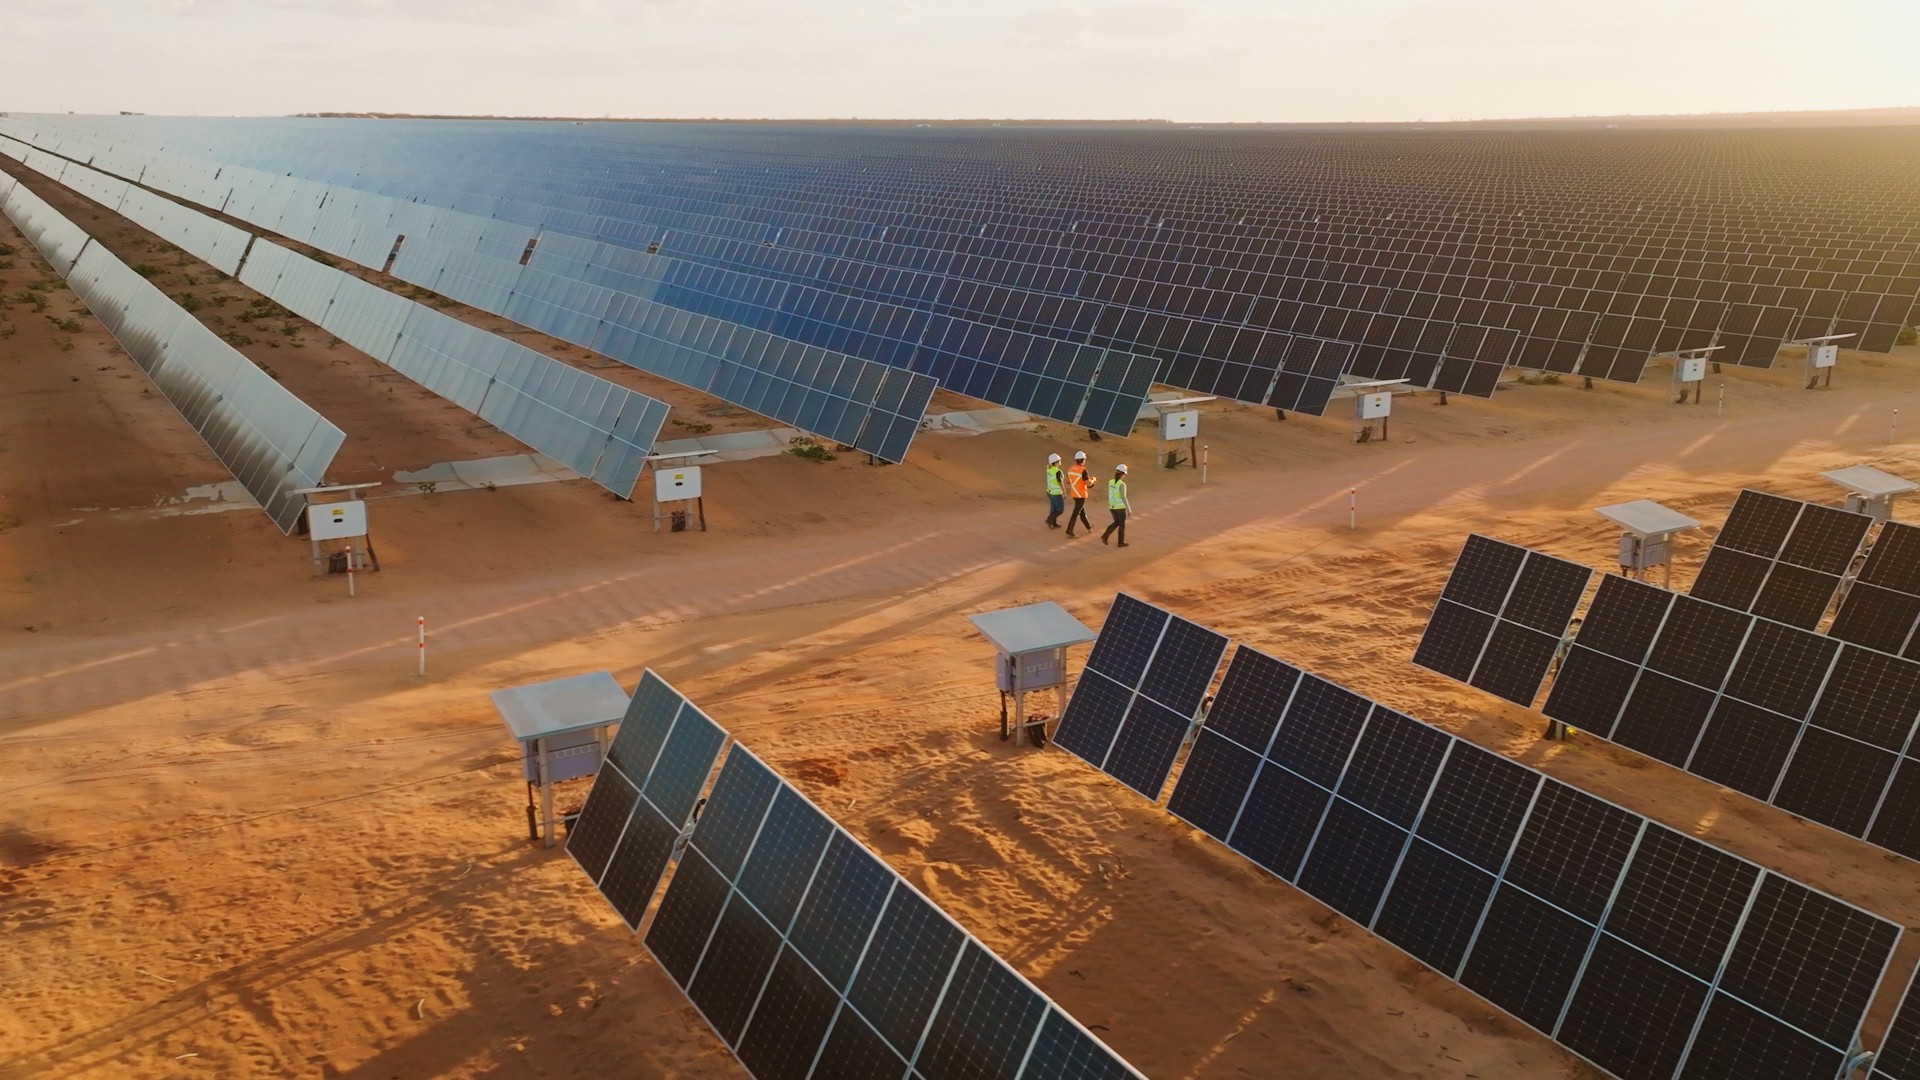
(272, 442)
(806, 953)
(598, 428)
(872, 407)
(1644, 950)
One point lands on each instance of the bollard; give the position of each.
(422, 624)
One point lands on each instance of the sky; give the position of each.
(1191, 61)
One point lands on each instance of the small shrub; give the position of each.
(65, 345)
(1544, 378)
(1908, 335)
(146, 270)
(237, 339)
(6, 250)
(427, 486)
(7, 330)
(191, 302)
(801, 446)
(220, 299)
(71, 326)
(28, 296)
(297, 342)
(288, 329)
(6, 264)
(698, 427)
(326, 260)
(260, 309)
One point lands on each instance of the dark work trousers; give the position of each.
(1119, 522)
(1055, 504)
(1080, 515)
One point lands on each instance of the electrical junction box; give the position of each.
(1376, 406)
(1638, 554)
(672, 484)
(1184, 424)
(1693, 369)
(1823, 355)
(337, 521)
(1032, 671)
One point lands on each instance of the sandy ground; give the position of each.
(239, 838)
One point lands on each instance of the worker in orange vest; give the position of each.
(1079, 480)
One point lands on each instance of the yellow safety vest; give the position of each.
(1116, 494)
(1053, 479)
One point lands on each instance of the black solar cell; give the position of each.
(1351, 861)
(1213, 784)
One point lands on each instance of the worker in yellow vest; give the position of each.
(1079, 481)
(1055, 500)
(1117, 505)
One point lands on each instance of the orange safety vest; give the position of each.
(1077, 480)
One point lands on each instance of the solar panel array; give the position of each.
(1143, 685)
(272, 442)
(1816, 726)
(1882, 606)
(597, 428)
(644, 796)
(1499, 621)
(805, 953)
(1644, 950)
(1781, 558)
(810, 957)
(615, 310)
(1258, 265)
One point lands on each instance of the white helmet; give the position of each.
(1121, 469)
(1053, 459)
(1079, 455)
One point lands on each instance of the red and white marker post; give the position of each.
(422, 624)
(350, 591)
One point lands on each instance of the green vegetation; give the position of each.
(260, 309)
(191, 302)
(698, 427)
(1908, 336)
(71, 326)
(237, 339)
(1543, 378)
(146, 270)
(801, 446)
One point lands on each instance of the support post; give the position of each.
(350, 591)
(546, 790)
(1203, 464)
(421, 623)
(1353, 506)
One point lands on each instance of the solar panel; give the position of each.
(1899, 1055)
(273, 443)
(809, 957)
(1145, 681)
(1781, 558)
(1881, 608)
(644, 795)
(1645, 950)
(1500, 618)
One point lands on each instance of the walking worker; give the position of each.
(1117, 505)
(1078, 481)
(1055, 503)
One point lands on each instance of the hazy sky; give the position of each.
(1198, 60)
